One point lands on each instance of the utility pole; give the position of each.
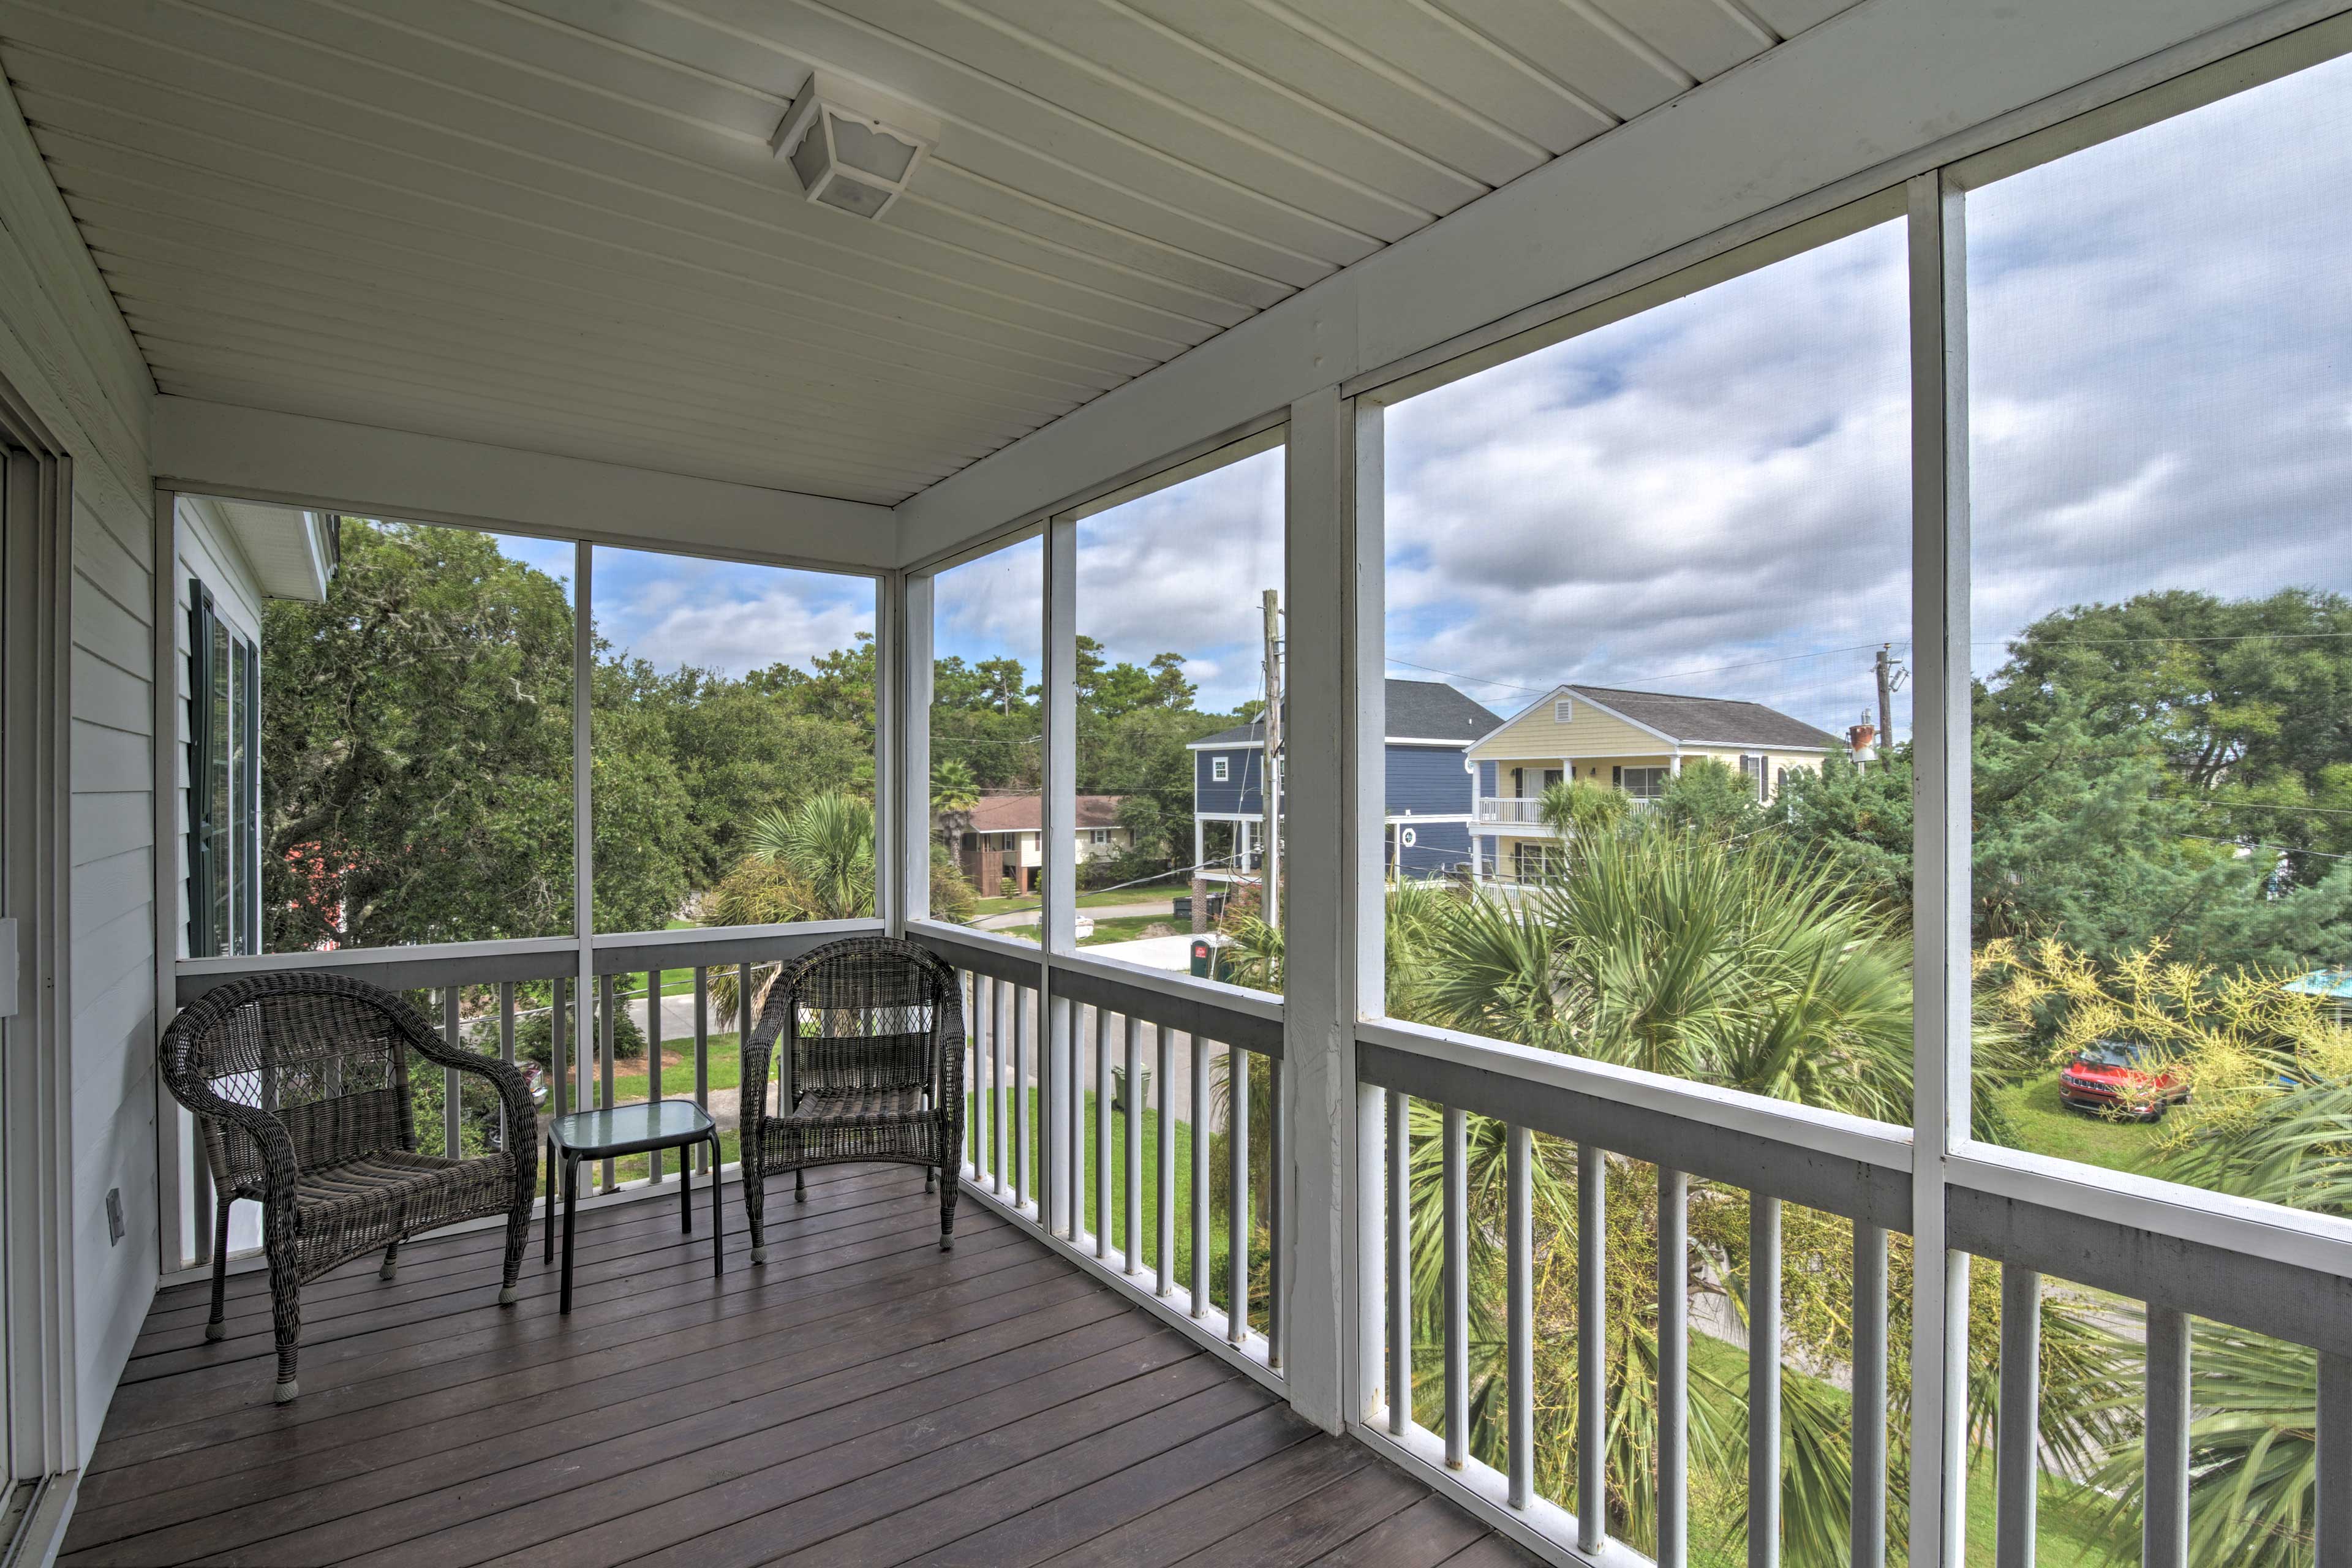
(1270, 796)
(1885, 697)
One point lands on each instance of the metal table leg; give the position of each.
(718, 1227)
(547, 1221)
(685, 1194)
(571, 1199)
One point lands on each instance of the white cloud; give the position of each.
(1714, 495)
(2160, 339)
(725, 616)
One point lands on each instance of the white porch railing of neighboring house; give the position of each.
(1526, 811)
(1049, 1150)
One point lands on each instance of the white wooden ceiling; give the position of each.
(557, 225)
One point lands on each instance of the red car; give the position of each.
(2119, 1077)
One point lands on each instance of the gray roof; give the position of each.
(1418, 711)
(1720, 719)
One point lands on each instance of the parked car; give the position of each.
(2120, 1076)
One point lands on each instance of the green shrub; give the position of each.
(534, 1037)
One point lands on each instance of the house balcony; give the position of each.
(1039, 1393)
(1059, 386)
(1504, 811)
(1524, 814)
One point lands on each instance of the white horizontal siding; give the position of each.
(64, 349)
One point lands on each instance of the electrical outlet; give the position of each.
(113, 1216)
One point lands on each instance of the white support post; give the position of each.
(906, 768)
(1057, 920)
(890, 814)
(1939, 615)
(584, 841)
(1336, 854)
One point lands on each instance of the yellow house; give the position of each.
(1630, 741)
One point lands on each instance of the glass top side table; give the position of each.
(631, 1129)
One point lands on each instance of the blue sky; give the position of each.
(1178, 570)
(676, 610)
(1714, 496)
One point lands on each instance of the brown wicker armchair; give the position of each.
(874, 1071)
(298, 1084)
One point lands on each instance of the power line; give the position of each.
(2280, 848)
(2108, 642)
(2257, 805)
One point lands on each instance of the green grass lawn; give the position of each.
(976, 1126)
(1127, 928)
(2047, 1126)
(2071, 1531)
(1105, 898)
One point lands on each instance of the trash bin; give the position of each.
(1183, 911)
(1208, 957)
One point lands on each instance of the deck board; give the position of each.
(862, 1398)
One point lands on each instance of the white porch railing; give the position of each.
(1690, 1136)
(1526, 811)
(1063, 1099)
(1093, 1100)
(1511, 812)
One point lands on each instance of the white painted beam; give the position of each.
(1860, 103)
(216, 449)
(1319, 1079)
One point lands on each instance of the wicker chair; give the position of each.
(874, 1071)
(298, 1084)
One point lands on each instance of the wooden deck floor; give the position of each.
(864, 1398)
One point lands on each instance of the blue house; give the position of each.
(1431, 793)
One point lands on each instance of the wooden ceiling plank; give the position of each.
(241, 222)
(1132, 51)
(716, 403)
(995, 129)
(249, 111)
(198, 205)
(374, 358)
(594, 62)
(1100, 97)
(516, 102)
(430, 209)
(1418, 37)
(1564, 40)
(1332, 67)
(1789, 18)
(428, 416)
(960, 195)
(146, 266)
(375, 388)
(1704, 37)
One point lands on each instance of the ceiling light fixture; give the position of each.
(852, 149)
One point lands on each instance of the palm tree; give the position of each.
(1686, 956)
(2282, 1134)
(814, 862)
(954, 792)
(827, 844)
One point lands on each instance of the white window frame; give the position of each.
(1334, 564)
(1943, 1157)
(1220, 769)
